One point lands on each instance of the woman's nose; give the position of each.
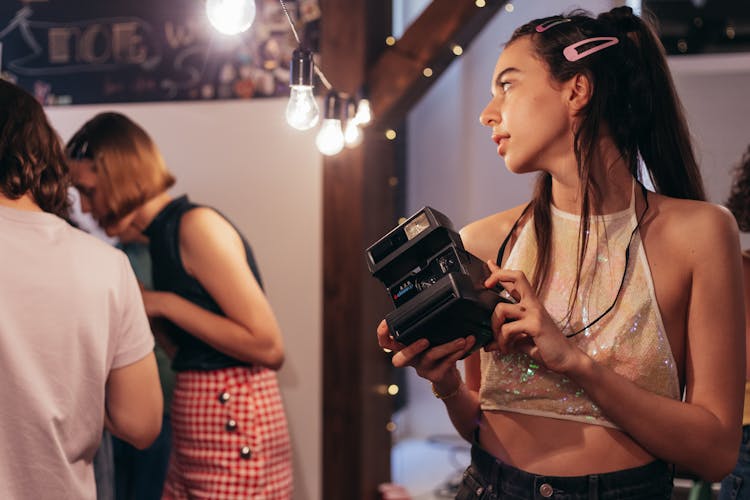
(489, 117)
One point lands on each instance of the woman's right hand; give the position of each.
(435, 364)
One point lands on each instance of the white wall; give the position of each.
(242, 158)
(453, 166)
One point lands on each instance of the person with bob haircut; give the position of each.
(229, 431)
(622, 352)
(76, 349)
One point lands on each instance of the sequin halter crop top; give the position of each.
(630, 338)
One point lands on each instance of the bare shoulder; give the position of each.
(206, 239)
(484, 236)
(690, 227)
(203, 224)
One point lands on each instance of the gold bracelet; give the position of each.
(449, 395)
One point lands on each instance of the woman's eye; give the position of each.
(504, 86)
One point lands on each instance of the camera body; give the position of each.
(436, 285)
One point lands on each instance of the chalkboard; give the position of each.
(107, 51)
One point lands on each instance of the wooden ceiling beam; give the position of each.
(396, 81)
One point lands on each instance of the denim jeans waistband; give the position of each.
(653, 480)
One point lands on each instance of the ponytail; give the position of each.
(655, 113)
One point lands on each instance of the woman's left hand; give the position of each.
(526, 326)
(434, 363)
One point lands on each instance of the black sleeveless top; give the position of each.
(170, 276)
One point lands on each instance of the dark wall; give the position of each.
(702, 26)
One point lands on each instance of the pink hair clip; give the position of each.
(571, 53)
(541, 28)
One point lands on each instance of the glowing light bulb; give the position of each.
(302, 111)
(231, 16)
(352, 134)
(330, 139)
(364, 112)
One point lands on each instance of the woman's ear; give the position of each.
(579, 90)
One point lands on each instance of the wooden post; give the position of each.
(362, 199)
(358, 205)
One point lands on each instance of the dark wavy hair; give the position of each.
(31, 156)
(633, 101)
(739, 195)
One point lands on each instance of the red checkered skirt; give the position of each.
(229, 437)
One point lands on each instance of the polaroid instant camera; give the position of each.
(436, 285)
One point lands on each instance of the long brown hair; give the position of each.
(633, 100)
(31, 157)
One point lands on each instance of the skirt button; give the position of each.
(245, 452)
(224, 397)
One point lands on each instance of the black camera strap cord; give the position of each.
(501, 252)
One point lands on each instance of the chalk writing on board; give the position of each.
(138, 50)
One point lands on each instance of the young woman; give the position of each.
(229, 431)
(737, 484)
(623, 352)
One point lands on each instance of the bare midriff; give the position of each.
(556, 447)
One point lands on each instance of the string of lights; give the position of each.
(343, 116)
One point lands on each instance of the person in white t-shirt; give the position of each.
(76, 350)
